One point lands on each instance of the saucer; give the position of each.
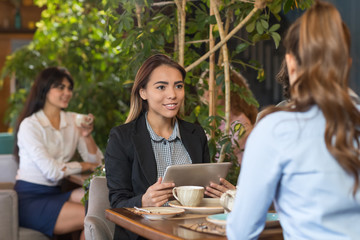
(157, 213)
(272, 219)
(207, 206)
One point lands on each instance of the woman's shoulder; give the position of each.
(285, 123)
(31, 125)
(124, 129)
(33, 119)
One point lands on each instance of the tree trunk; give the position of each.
(138, 14)
(212, 97)
(227, 76)
(182, 13)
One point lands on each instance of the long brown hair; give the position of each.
(320, 44)
(48, 78)
(137, 104)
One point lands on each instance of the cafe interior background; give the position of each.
(102, 45)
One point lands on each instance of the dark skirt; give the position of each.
(39, 205)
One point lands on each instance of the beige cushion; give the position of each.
(96, 225)
(9, 219)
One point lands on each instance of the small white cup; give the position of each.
(190, 196)
(227, 200)
(83, 119)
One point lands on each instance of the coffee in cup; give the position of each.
(83, 119)
(190, 196)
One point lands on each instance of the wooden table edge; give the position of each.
(152, 233)
(137, 228)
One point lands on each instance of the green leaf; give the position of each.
(287, 5)
(276, 37)
(259, 28)
(264, 23)
(256, 37)
(212, 19)
(250, 27)
(191, 28)
(120, 27)
(274, 27)
(275, 7)
(261, 75)
(241, 47)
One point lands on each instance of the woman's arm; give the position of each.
(128, 187)
(85, 132)
(257, 183)
(90, 152)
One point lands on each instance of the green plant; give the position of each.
(99, 171)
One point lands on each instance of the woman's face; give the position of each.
(164, 92)
(59, 96)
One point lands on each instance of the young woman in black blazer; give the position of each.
(135, 159)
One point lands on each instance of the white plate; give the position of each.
(207, 206)
(158, 213)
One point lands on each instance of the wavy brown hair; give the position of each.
(320, 44)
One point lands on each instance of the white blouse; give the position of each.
(44, 151)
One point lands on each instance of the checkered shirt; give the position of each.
(168, 151)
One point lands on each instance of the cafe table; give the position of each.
(79, 178)
(74, 181)
(170, 229)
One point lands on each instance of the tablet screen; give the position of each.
(196, 174)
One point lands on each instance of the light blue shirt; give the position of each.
(286, 159)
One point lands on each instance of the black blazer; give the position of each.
(130, 161)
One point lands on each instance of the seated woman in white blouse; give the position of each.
(47, 138)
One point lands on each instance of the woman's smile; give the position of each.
(171, 106)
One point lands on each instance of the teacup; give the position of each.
(227, 200)
(83, 119)
(190, 196)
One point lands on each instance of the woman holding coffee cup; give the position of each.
(47, 138)
(152, 138)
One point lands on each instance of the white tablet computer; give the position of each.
(200, 174)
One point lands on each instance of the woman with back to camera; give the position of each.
(152, 138)
(309, 159)
(47, 138)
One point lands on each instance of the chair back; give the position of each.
(9, 167)
(9, 218)
(96, 225)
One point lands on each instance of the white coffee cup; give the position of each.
(227, 200)
(190, 196)
(83, 119)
